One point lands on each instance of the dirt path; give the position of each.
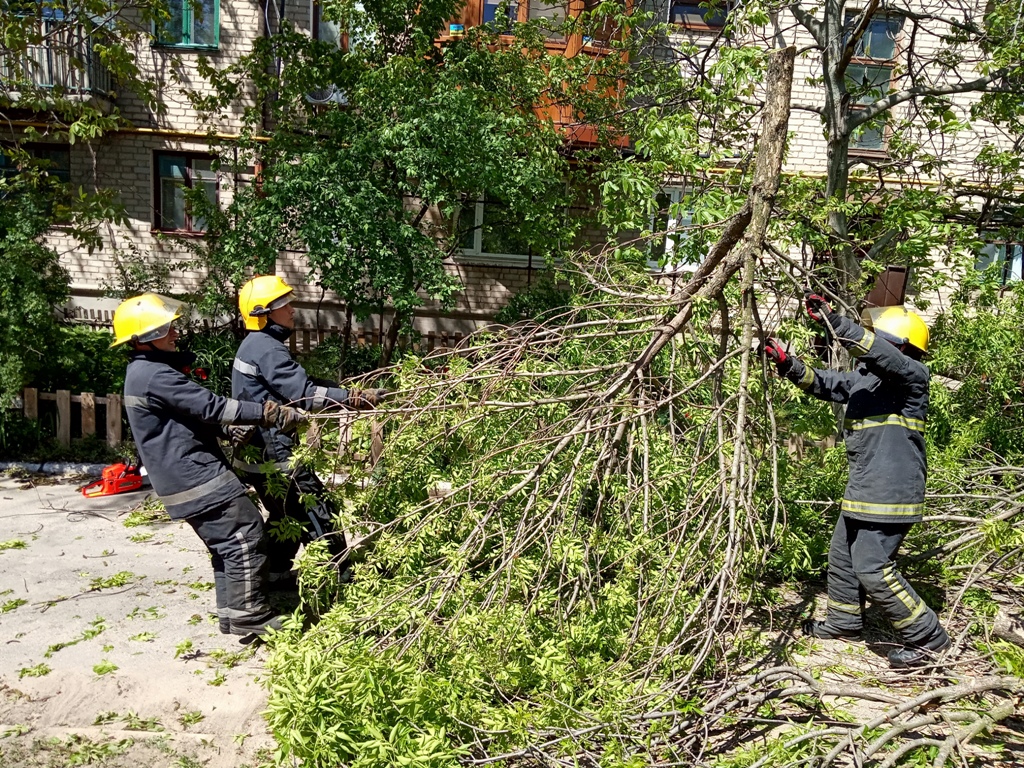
(107, 646)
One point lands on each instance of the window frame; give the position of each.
(1007, 274)
(315, 20)
(699, 26)
(158, 214)
(474, 12)
(865, 63)
(187, 19)
(675, 232)
(476, 254)
(32, 148)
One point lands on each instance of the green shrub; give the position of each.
(215, 351)
(978, 342)
(541, 300)
(326, 360)
(82, 361)
(19, 437)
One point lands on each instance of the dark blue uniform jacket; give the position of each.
(176, 423)
(264, 369)
(886, 397)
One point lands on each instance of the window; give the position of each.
(492, 10)
(698, 15)
(53, 160)
(879, 40)
(489, 230)
(192, 24)
(869, 75)
(327, 31)
(671, 253)
(552, 13)
(175, 174)
(1009, 258)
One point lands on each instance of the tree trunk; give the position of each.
(389, 340)
(837, 125)
(346, 341)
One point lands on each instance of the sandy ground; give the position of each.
(107, 646)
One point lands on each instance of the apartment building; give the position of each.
(160, 154)
(904, 48)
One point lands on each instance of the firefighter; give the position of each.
(265, 372)
(176, 424)
(886, 398)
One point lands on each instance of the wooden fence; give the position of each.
(31, 397)
(111, 404)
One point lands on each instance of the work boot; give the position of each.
(825, 631)
(259, 626)
(910, 656)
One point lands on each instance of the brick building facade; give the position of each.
(146, 161)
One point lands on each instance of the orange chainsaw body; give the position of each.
(117, 478)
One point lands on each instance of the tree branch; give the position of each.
(861, 116)
(809, 23)
(859, 28)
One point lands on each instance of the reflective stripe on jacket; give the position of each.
(886, 398)
(264, 369)
(175, 423)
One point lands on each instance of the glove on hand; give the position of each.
(239, 435)
(366, 398)
(773, 350)
(817, 307)
(281, 416)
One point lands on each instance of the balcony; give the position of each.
(60, 64)
(577, 131)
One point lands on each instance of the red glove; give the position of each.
(773, 350)
(817, 307)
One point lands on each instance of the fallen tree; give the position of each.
(579, 525)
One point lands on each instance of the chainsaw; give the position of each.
(117, 478)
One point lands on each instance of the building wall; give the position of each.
(126, 161)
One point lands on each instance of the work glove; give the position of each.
(366, 398)
(817, 307)
(774, 351)
(283, 417)
(239, 435)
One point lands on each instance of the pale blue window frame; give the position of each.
(1008, 256)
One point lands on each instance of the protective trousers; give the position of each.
(316, 519)
(233, 532)
(860, 565)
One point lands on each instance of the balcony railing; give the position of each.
(64, 62)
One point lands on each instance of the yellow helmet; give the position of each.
(261, 296)
(898, 322)
(144, 318)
